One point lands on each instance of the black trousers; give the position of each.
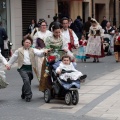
(2, 49)
(27, 76)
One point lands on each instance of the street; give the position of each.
(99, 96)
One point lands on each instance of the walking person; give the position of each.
(69, 35)
(109, 32)
(94, 46)
(3, 36)
(31, 27)
(26, 60)
(78, 27)
(87, 27)
(40, 36)
(104, 22)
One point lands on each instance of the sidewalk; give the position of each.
(99, 98)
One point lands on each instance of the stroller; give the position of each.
(7, 50)
(59, 88)
(106, 45)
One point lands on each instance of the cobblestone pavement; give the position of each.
(99, 96)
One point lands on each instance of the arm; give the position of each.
(39, 53)
(75, 39)
(58, 70)
(13, 58)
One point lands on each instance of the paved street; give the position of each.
(99, 96)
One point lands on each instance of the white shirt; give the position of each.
(26, 60)
(42, 35)
(66, 35)
(66, 67)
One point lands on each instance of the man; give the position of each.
(26, 61)
(78, 27)
(69, 35)
(104, 22)
(87, 27)
(109, 33)
(3, 36)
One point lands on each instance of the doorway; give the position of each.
(99, 12)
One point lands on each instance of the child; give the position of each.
(82, 49)
(67, 71)
(3, 82)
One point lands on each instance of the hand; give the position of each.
(47, 50)
(7, 67)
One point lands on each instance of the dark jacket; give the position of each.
(3, 35)
(78, 26)
(87, 26)
(103, 23)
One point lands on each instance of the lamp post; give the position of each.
(114, 12)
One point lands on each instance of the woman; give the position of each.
(39, 37)
(57, 42)
(94, 47)
(32, 26)
(42, 32)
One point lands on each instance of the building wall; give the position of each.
(16, 22)
(46, 9)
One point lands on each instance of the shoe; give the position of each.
(83, 77)
(116, 60)
(84, 60)
(23, 96)
(28, 99)
(94, 60)
(97, 61)
(69, 80)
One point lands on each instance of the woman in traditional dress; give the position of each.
(57, 42)
(94, 46)
(117, 46)
(39, 37)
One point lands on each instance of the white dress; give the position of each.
(3, 83)
(39, 61)
(72, 75)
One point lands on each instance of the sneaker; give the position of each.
(69, 80)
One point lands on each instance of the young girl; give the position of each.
(67, 71)
(82, 49)
(3, 82)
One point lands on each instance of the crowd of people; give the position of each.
(89, 39)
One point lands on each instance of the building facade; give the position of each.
(17, 14)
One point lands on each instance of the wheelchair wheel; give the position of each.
(68, 98)
(75, 97)
(47, 95)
